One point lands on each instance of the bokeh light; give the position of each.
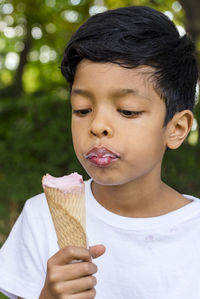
(12, 61)
(36, 33)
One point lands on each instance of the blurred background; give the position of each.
(35, 136)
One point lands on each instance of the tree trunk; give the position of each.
(192, 22)
(17, 86)
(192, 13)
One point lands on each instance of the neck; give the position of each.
(137, 199)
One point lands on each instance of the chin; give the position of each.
(105, 176)
(105, 183)
(106, 180)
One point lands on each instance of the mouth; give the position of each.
(101, 156)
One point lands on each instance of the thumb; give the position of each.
(97, 250)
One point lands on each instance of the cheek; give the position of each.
(75, 136)
(78, 138)
(145, 141)
(76, 128)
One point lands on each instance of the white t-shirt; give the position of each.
(146, 258)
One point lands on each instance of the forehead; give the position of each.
(87, 67)
(113, 79)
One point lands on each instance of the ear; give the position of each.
(178, 128)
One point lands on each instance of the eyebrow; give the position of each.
(124, 92)
(114, 94)
(81, 92)
(127, 91)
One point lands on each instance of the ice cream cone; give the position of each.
(68, 213)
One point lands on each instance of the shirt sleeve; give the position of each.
(23, 257)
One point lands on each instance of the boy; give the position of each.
(132, 80)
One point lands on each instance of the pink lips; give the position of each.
(101, 156)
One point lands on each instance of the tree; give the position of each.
(47, 26)
(45, 29)
(192, 24)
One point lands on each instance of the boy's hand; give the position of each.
(67, 280)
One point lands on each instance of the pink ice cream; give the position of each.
(72, 183)
(66, 200)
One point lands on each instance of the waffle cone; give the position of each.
(68, 215)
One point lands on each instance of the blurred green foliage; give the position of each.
(35, 140)
(35, 111)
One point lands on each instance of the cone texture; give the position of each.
(68, 215)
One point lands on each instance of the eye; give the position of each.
(129, 114)
(81, 112)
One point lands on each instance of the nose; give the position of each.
(101, 127)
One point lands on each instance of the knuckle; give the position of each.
(52, 278)
(57, 289)
(69, 251)
(52, 275)
(49, 264)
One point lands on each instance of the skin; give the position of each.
(66, 280)
(119, 109)
(102, 96)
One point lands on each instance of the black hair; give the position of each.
(134, 36)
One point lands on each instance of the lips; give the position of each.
(101, 156)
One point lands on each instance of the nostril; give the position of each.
(100, 133)
(105, 133)
(93, 133)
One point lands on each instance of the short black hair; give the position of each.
(134, 36)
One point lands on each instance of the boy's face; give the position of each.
(117, 123)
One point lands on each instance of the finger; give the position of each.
(75, 286)
(68, 254)
(74, 271)
(84, 295)
(97, 250)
